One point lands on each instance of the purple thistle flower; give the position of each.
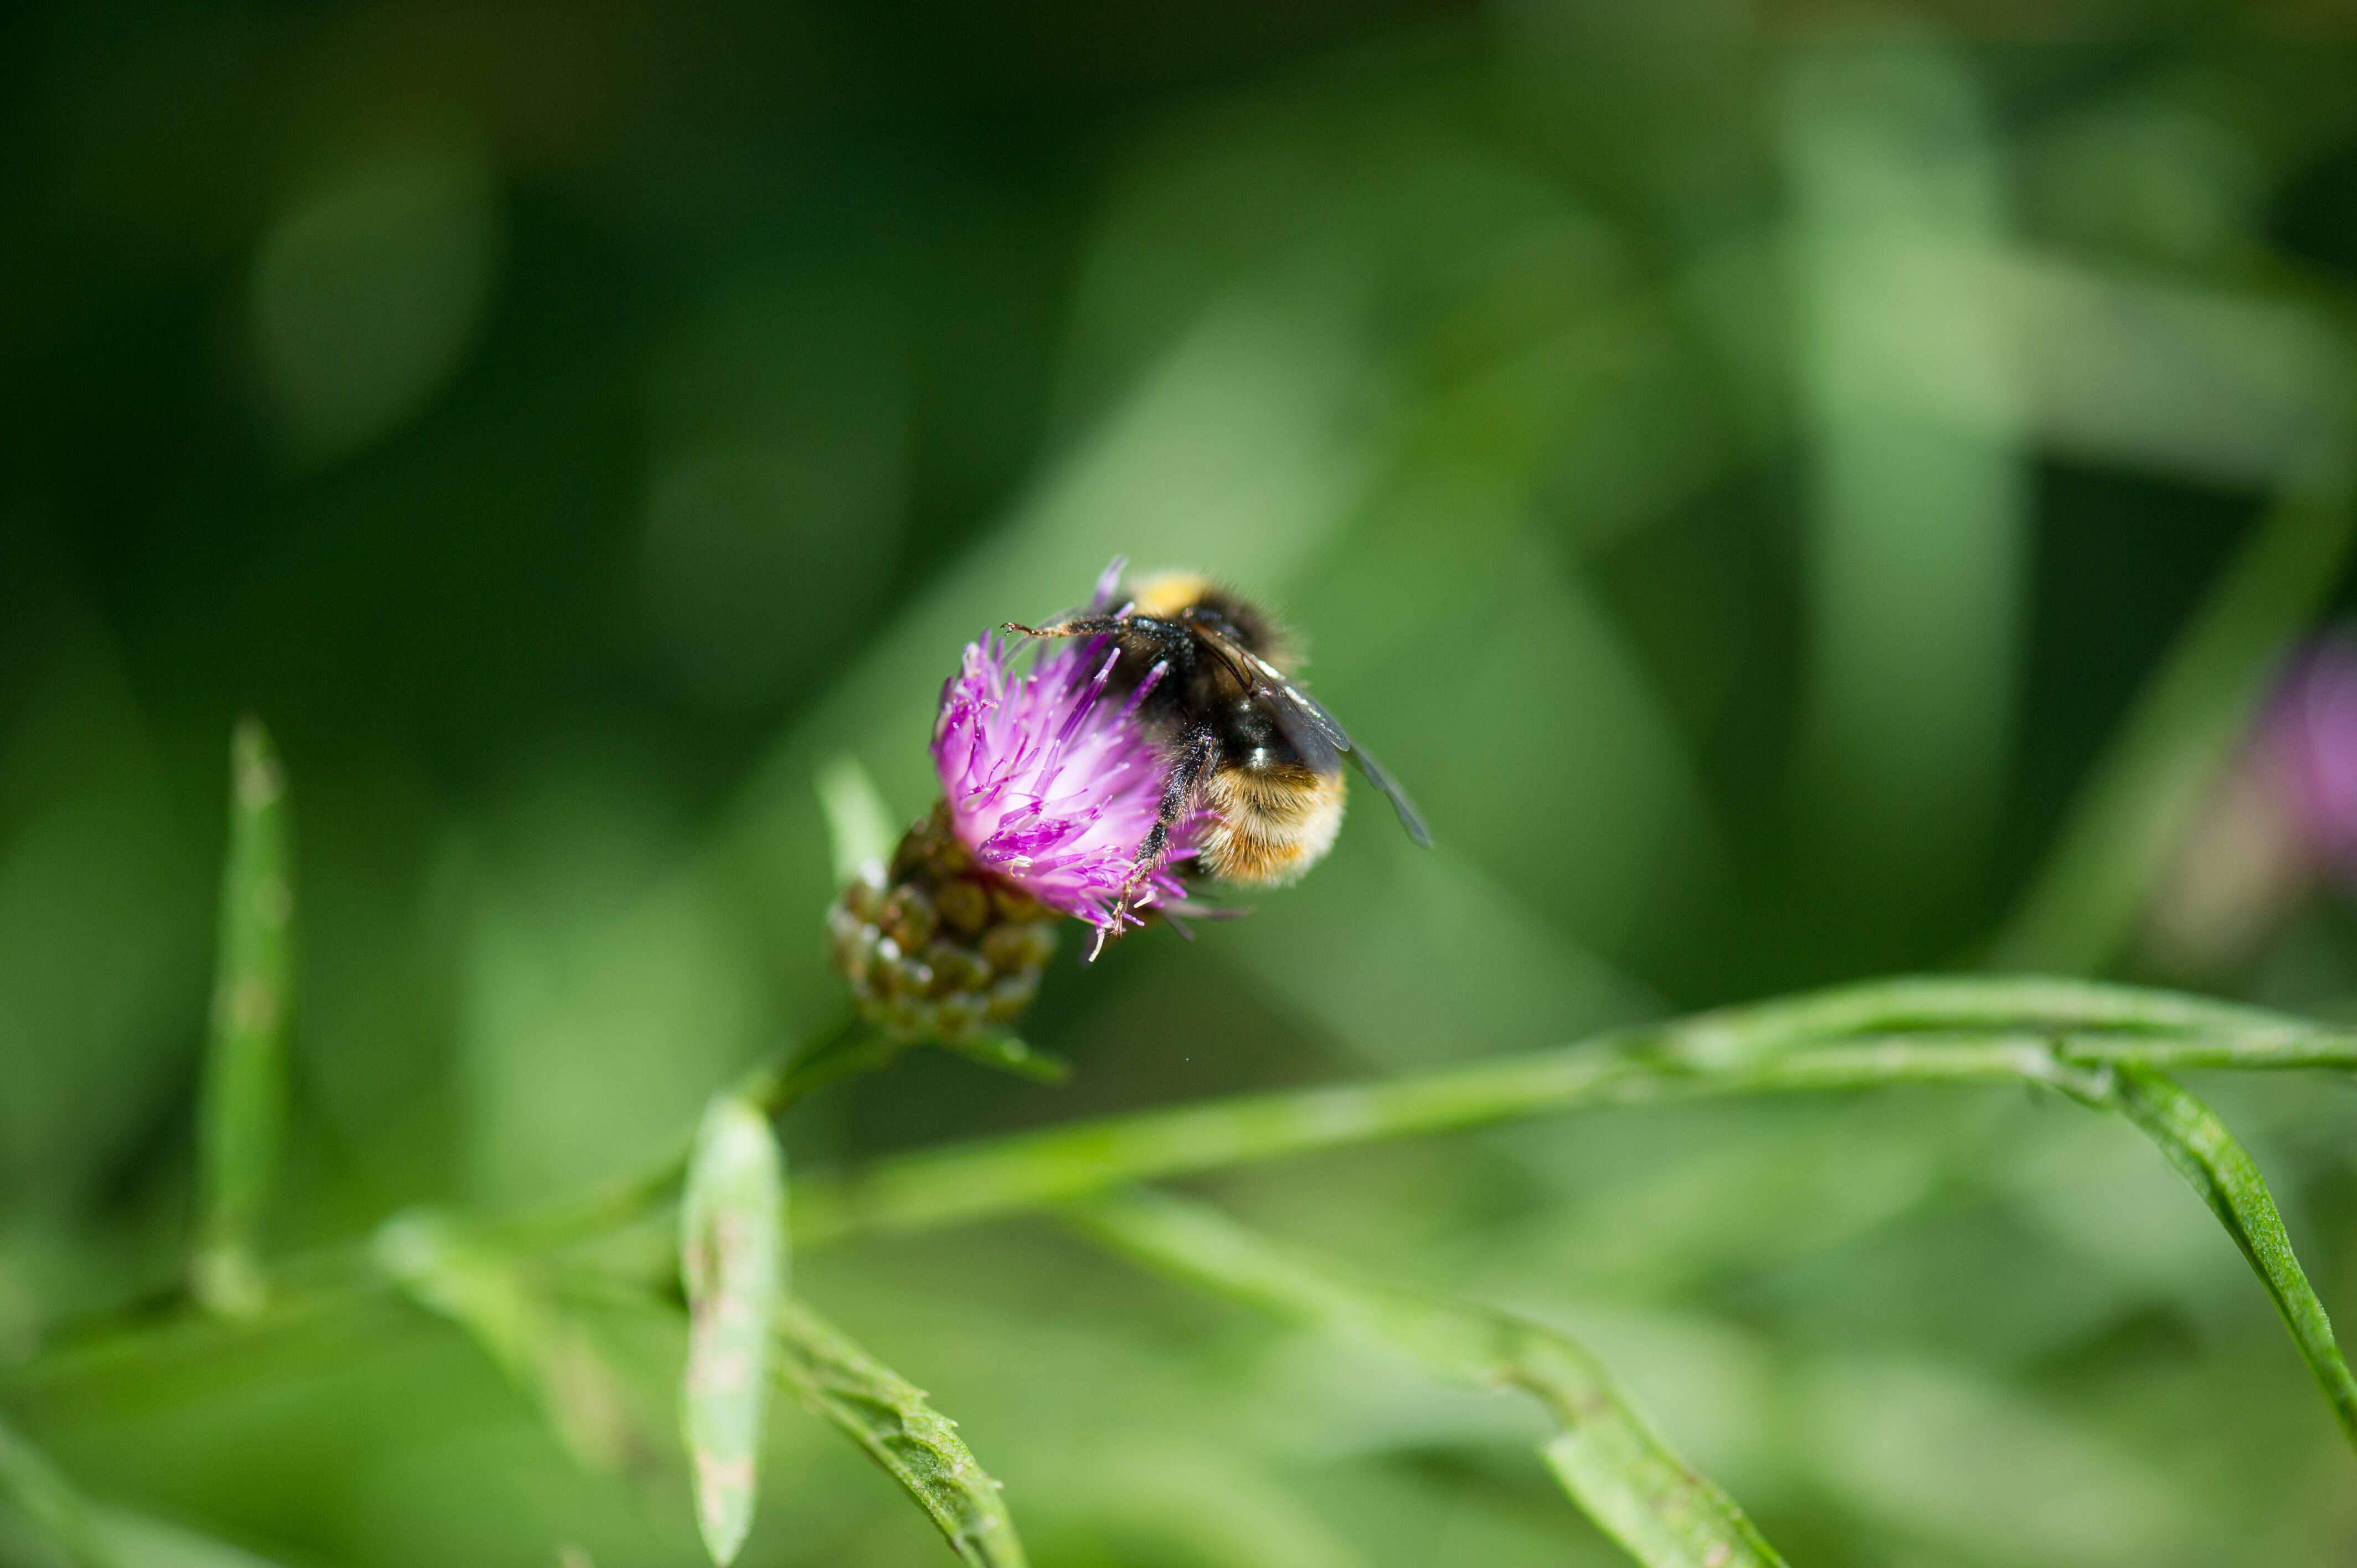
(1051, 781)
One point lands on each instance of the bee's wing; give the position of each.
(1306, 722)
(1410, 818)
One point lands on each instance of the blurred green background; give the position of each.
(1797, 492)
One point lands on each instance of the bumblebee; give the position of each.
(1208, 671)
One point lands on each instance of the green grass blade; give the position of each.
(2207, 1156)
(242, 1105)
(915, 1444)
(732, 1263)
(1610, 1462)
(460, 1275)
(31, 1479)
(1976, 1002)
(2080, 909)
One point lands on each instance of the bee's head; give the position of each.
(1193, 599)
(1168, 595)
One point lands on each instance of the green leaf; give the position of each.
(464, 1277)
(242, 1106)
(31, 1479)
(2207, 1156)
(915, 1444)
(732, 1261)
(1636, 1489)
(858, 823)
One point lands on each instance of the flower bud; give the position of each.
(947, 949)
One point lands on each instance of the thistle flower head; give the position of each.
(1050, 781)
(1049, 785)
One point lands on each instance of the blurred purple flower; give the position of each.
(2306, 739)
(2281, 819)
(1051, 782)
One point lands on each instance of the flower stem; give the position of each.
(2063, 1034)
(2057, 1033)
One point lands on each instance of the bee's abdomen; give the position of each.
(1274, 822)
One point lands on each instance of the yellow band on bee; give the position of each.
(1164, 594)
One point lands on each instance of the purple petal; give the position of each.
(1050, 787)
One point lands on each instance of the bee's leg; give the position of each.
(1082, 625)
(1197, 751)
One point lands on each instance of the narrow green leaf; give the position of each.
(2081, 907)
(242, 1105)
(461, 1276)
(1619, 1472)
(858, 823)
(732, 1260)
(55, 1505)
(915, 1444)
(2207, 1156)
(1970, 1002)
